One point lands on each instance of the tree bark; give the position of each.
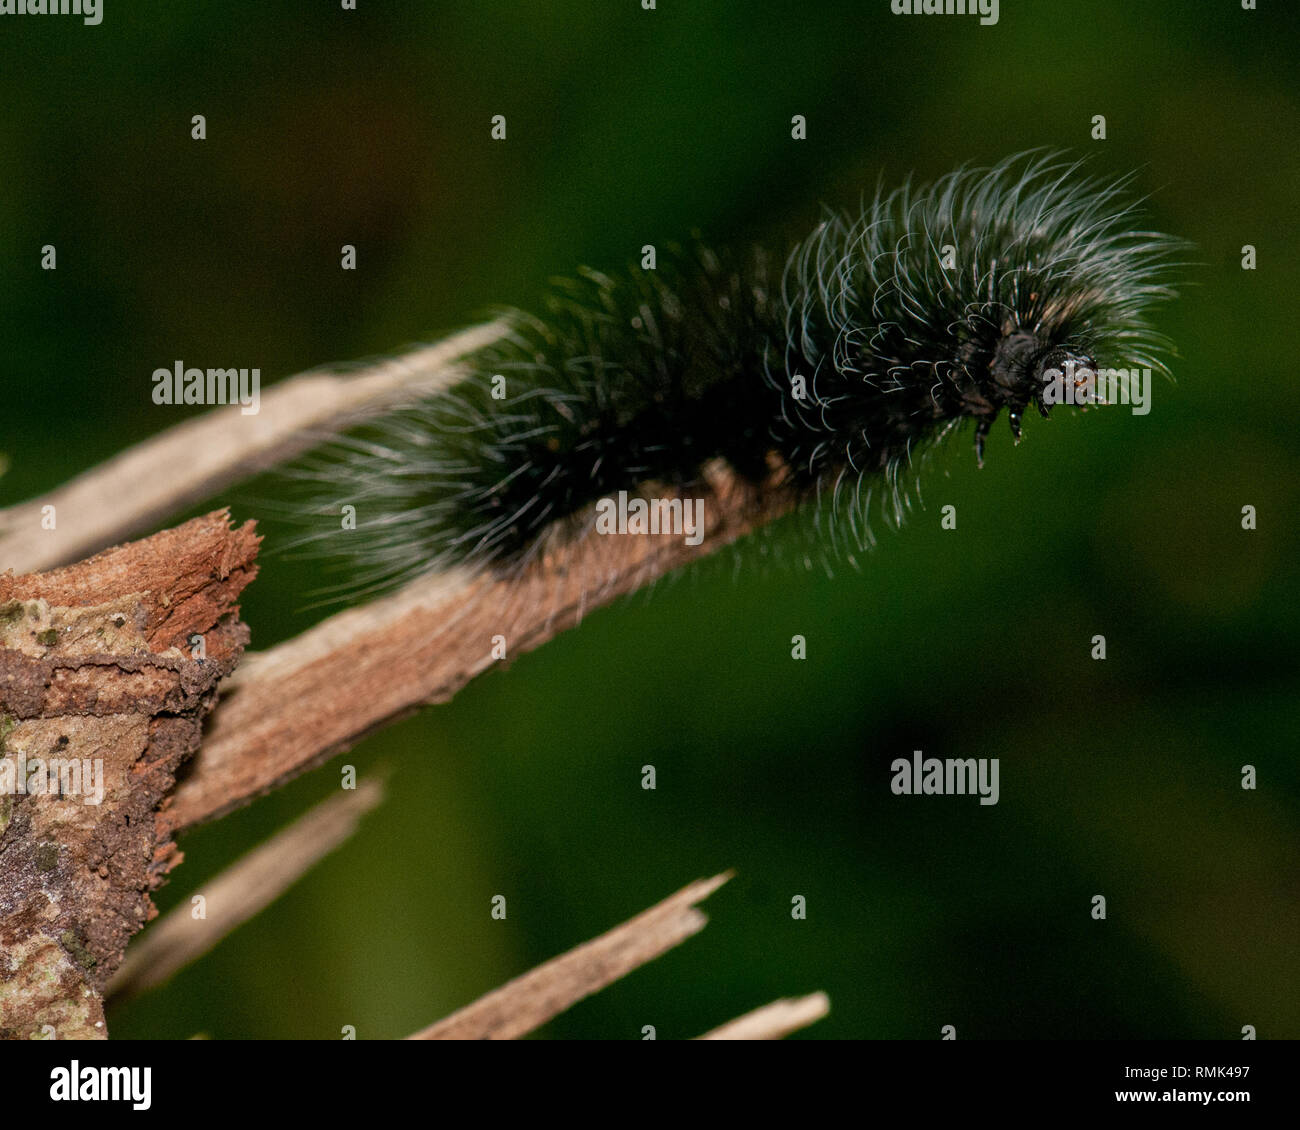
(107, 669)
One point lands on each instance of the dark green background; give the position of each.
(626, 127)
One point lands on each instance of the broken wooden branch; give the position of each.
(528, 1002)
(290, 708)
(107, 669)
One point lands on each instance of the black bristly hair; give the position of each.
(814, 380)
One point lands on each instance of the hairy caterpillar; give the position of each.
(807, 383)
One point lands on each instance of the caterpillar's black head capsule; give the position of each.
(1026, 370)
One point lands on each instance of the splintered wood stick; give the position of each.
(290, 708)
(774, 1021)
(528, 1002)
(193, 460)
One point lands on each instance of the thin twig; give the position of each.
(528, 1002)
(195, 459)
(774, 1021)
(242, 890)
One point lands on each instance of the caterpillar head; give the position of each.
(992, 289)
(1027, 370)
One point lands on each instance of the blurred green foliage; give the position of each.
(1120, 777)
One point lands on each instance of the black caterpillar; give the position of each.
(814, 379)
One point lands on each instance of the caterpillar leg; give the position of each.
(981, 434)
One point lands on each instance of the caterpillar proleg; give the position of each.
(802, 382)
